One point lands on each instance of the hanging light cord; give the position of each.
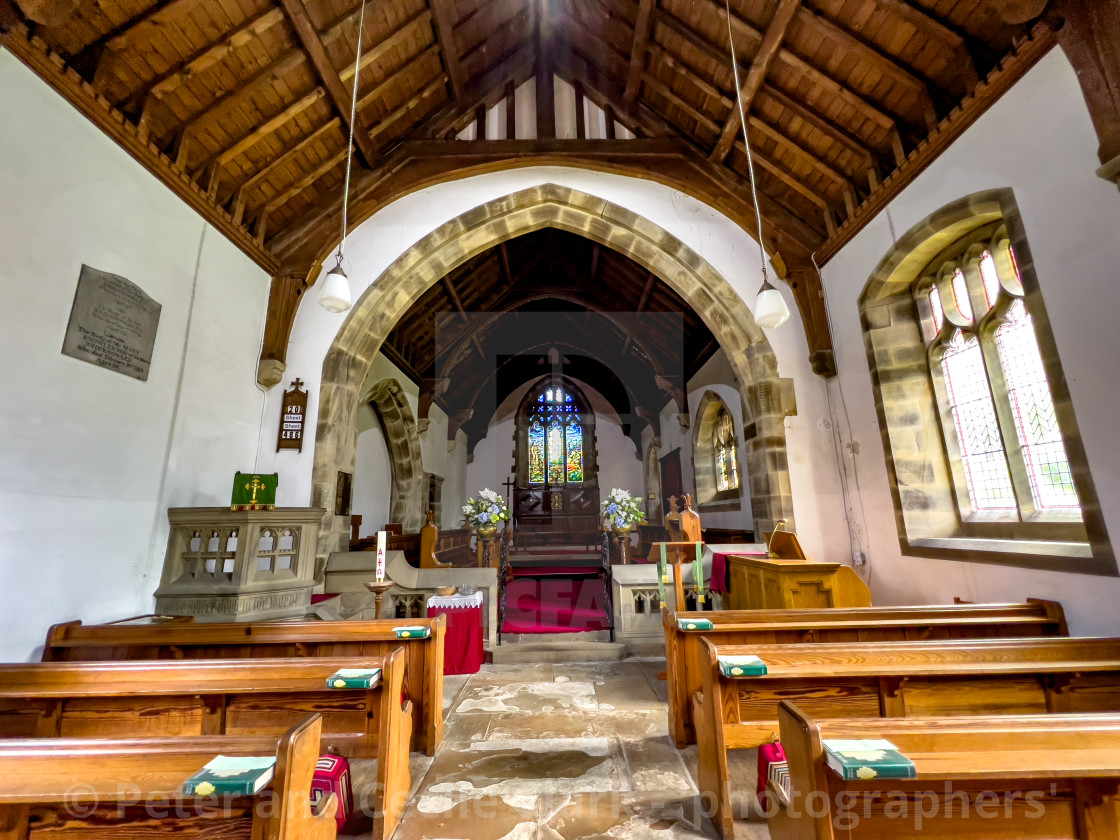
(350, 144)
(746, 141)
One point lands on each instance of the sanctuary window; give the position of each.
(983, 450)
(555, 438)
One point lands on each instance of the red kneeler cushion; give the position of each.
(332, 775)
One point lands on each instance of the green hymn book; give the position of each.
(873, 759)
(232, 776)
(412, 632)
(742, 666)
(354, 678)
(694, 624)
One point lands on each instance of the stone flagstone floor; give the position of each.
(561, 752)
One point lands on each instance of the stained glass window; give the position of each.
(727, 468)
(1033, 406)
(984, 402)
(536, 452)
(974, 414)
(555, 439)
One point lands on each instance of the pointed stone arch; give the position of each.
(651, 467)
(406, 499)
(549, 205)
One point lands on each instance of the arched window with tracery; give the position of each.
(983, 450)
(727, 461)
(996, 403)
(556, 436)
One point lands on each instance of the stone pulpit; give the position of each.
(239, 565)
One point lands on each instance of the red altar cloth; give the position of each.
(463, 650)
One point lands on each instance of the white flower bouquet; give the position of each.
(486, 511)
(621, 510)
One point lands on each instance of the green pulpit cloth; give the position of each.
(254, 491)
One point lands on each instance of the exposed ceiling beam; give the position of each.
(329, 77)
(444, 26)
(289, 154)
(458, 304)
(399, 37)
(888, 65)
(546, 89)
(395, 78)
(91, 60)
(240, 91)
(434, 86)
(200, 61)
(760, 66)
(871, 112)
(266, 128)
(643, 30)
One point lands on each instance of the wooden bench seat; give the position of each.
(423, 681)
(1049, 776)
(894, 679)
(217, 697)
(130, 788)
(685, 659)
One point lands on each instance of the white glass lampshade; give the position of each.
(334, 296)
(770, 308)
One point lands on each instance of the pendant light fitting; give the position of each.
(334, 296)
(770, 308)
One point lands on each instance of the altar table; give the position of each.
(463, 650)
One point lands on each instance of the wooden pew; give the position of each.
(978, 777)
(130, 788)
(894, 679)
(685, 657)
(444, 549)
(423, 680)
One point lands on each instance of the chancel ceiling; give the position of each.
(549, 302)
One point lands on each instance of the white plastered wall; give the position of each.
(1039, 141)
(91, 459)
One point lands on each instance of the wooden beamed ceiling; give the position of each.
(242, 107)
(479, 334)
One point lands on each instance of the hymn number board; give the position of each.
(293, 413)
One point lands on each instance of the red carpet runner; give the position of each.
(565, 605)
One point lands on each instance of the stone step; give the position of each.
(555, 638)
(550, 652)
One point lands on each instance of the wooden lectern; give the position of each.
(789, 580)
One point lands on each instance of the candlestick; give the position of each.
(381, 556)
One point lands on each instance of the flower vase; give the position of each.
(487, 531)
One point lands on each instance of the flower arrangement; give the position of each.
(487, 511)
(622, 510)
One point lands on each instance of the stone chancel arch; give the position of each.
(373, 316)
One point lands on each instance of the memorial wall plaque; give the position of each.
(112, 324)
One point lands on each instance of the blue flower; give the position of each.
(484, 517)
(495, 509)
(620, 522)
(612, 508)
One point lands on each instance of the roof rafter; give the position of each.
(444, 26)
(329, 77)
(643, 30)
(760, 66)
